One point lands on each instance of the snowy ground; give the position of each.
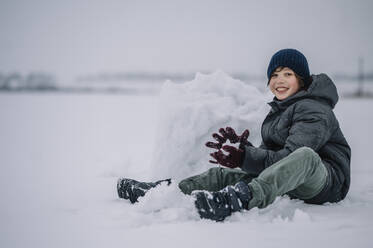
(62, 154)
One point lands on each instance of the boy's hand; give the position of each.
(221, 139)
(229, 134)
(234, 138)
(232, 160)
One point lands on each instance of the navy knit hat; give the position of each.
(293, 59)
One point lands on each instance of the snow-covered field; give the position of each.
(61, 155)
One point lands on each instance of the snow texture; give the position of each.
(61, 156)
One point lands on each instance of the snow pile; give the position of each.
(190, 112)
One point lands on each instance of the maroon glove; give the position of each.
(232, 160)
(229, 134)
(234, 138)
(221, 139)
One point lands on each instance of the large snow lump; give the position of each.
(190, 112)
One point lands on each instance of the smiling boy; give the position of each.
(303, 153)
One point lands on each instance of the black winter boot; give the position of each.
(221, 204)
(132, 189)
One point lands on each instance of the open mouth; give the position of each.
(281, 89)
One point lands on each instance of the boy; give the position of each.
(303, 153)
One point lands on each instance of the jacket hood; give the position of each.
(322, 89)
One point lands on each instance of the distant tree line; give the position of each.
(33, 81)
(40, 81)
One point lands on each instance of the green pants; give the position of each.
(301, 175)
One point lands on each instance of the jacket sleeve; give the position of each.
(311, 127)
(263, 146)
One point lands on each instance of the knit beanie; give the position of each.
(292, 59)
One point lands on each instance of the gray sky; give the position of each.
(71, 38)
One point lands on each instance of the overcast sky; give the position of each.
(75, 37)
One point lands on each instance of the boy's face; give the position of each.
(283, 83)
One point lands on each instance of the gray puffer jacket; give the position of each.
(305, 119)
